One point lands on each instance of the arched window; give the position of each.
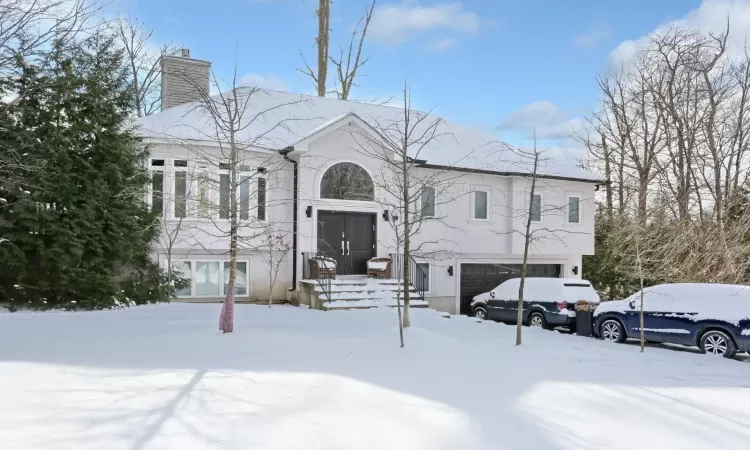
(347, 181)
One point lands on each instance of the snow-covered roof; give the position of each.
(288, 118)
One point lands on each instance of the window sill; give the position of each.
(481, 221)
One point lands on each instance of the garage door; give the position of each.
(479, 278)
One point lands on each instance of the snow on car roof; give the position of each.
(698, 301)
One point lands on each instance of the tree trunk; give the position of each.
(324, 13)
(407, 243)
(608, 176)
(527, 241)
(639, 262)
(400, 321)
(227, 310)
(642, 198)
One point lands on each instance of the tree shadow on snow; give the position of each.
(165, 372)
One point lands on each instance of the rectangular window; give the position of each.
(224, 196)
(574, 209)
(157, 185)
(207, 279)
(240, 282)
(261, 199)
(184, 270)
(422, 281)
(245, 198)
(157, 192)
(480, 205)
(203, 193)
(428, 202)
(536, 208)
(180, 194)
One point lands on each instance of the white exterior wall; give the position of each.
(206, 239)
(455, 239)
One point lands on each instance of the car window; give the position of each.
(654, 301)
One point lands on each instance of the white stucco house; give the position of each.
(291, 181)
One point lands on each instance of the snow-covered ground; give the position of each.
(163, 377)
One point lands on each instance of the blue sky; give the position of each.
(489, 64)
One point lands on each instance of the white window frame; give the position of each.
(474, 201)
(429, 276)
(203, 168)
(580, 208)
(173, 194)
(541, 207)
(219, 173)
(193, 264)
(434, 199)
(150, 197)
(257, 202)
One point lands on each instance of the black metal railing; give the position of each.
(418, 278)
(322, 277)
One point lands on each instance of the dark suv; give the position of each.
(548, 302)
(713, 317)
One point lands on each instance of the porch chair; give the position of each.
(379, 268)
(322, 267)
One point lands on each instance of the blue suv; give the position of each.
(713, 317)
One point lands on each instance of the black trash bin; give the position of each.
(585, 319)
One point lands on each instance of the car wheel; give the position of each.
(718, 343)
(480, 313)
(536, 320)
(612, 330)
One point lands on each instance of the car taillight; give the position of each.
(562, 306)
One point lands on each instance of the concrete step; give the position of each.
(363, 288)
(368, 304)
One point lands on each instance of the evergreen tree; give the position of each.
(76, 229)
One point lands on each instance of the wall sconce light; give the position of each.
(450, 271)
(308, 211)
(575, 270)
(386, 215)
(262, 170)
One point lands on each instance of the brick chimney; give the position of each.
(183, 79)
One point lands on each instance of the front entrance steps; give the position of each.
(356, 292)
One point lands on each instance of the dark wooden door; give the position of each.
(331, 236)
(360, 242)
(349, 238)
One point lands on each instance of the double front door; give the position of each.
(347, 237)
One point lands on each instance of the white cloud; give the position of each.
(267, 81)
(443, 44)
(710, 16)
(592, 38)
(395, 24)
(549, 121)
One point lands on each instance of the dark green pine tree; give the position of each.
(76, 227)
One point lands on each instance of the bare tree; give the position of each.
(410, 191)
(142, 57)
(674, 130)
(28, 28)
(273, 253)
(346, 71)
(537, 218)
(322, 41)
(527, 240)
(347, 65)
(239, 123)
